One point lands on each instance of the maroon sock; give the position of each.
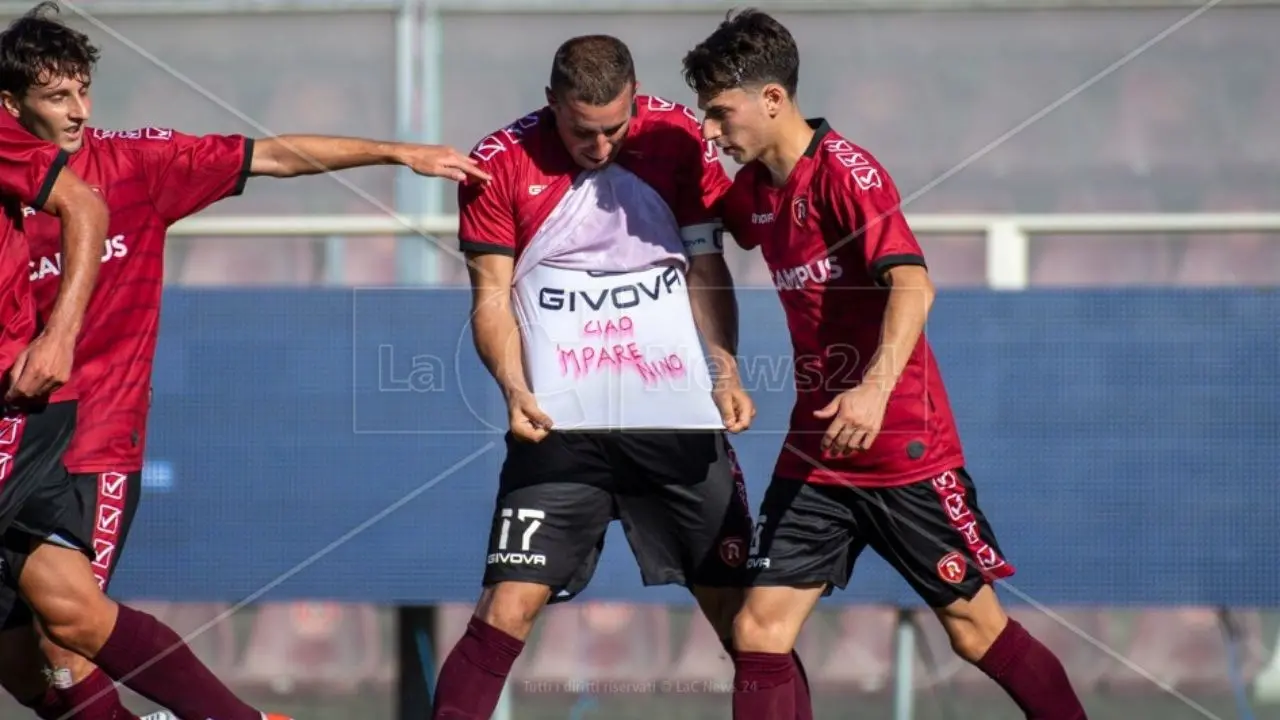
(763, 686)
(804, 701)
(93, 698)
(153, 661)
(473, 675)
(1032, 675)
(47, 706)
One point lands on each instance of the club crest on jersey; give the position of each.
(800, 210)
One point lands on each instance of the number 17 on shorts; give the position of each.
(515, 538)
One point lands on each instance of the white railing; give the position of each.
(1008, 237)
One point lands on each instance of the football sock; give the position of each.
(154, 662)
(1032, 675)
(473, 675)
(93, 698)
(764, 686)
(46, 706)
(804, 702)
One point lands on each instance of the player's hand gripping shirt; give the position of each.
(829, 235)
(150, 178)
(28, 168)
(600, 293)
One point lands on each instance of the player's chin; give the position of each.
(71, 141)
(592, 163)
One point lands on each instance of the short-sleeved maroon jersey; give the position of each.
(532, 171)
(829, 235)
(150, 178)
(28, 168)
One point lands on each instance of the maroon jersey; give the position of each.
(829, 235)
(28, 168)
(150, 178)
(532, 171)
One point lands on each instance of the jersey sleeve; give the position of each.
(865, 207)
(736, 211)
(703, 187)
(28, 165)
(486, 214)
(187, 173)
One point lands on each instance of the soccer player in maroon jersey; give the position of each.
(872, 457)
(150, 178)
(37, 404)
(38, 353)
(596, 242)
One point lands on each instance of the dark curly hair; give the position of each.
(749, 48)
(37, 48)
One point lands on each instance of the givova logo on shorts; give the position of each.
(531, 520)
(754, 561)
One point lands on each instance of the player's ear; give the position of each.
(11, 104)
(774, 96)
(551, 97)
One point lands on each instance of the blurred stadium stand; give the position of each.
(1158, 396)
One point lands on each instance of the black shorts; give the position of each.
(92, 514)
(680, 496)
(932, 532)
(32, 444)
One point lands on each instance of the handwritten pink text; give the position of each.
(608, 328)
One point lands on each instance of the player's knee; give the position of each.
(720, 606)
(972, 628)
(755, 630)
(21, 666)
(968, 642)
(512, 607)
(78, 624)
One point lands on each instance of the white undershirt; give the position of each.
(607, 328)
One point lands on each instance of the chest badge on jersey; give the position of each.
(800, 210)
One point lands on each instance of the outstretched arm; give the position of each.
(293, 155)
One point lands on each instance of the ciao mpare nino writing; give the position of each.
(608, 342)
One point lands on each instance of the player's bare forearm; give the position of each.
(715, 311)
(493, 322)
(84, 218)
(911, 294)
(294, 155)
(497, 340)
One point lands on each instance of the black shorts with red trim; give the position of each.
(92, 514)
(932, 532)
(32, 443)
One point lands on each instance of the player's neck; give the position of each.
(794, 137)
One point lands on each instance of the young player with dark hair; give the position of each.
(150, 178)
(597, 272)
(37, 344)
(37, 349)
(872, 457)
